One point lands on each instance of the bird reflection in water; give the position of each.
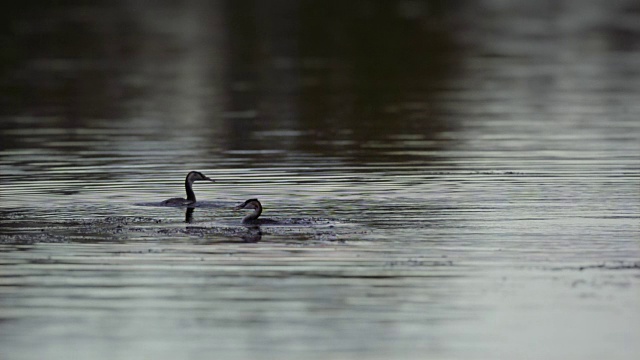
(253, 234)
(188, 214)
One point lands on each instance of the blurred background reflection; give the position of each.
(478, 161)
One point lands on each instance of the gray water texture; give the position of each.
(454, 180)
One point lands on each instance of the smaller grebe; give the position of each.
(191, 196)
(253, 217)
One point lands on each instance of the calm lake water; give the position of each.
(468, 176)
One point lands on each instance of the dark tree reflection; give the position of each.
(339, 72)
(324, 77)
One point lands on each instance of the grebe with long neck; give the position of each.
(257, 210)
(188, 185)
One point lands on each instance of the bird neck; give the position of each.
(191, 196)
(253, 216)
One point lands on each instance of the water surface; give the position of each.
(471, 174)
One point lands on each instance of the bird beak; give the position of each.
(239, 207)
(209, 179)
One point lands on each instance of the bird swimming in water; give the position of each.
(191, 196)
(252, 219)
(257, 210)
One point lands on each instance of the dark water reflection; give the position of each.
(214, 68)
(467, 174)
